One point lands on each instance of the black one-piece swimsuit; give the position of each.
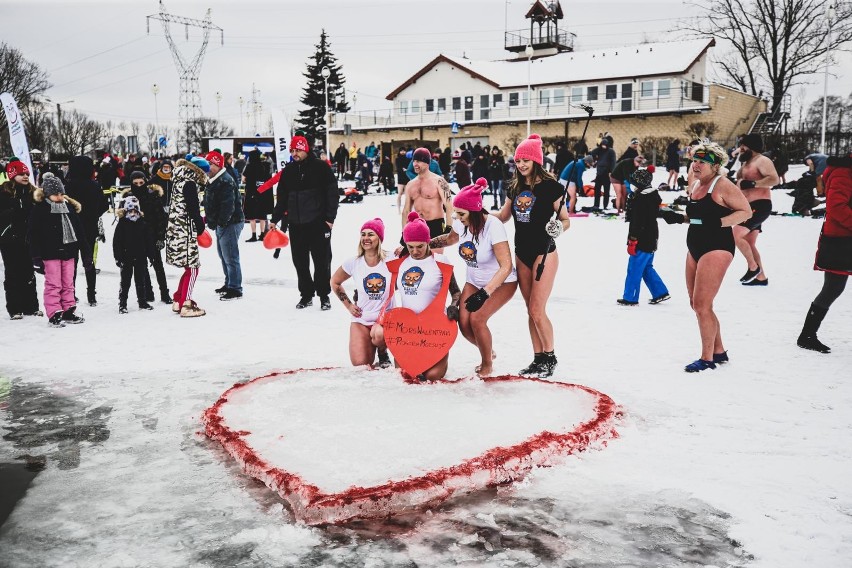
(701, 239)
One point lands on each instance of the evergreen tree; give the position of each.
(312, 118)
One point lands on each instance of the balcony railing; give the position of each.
(518, 40)
(691, 97)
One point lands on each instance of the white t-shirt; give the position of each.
(373, 286)
(418, 282)
(479, 255)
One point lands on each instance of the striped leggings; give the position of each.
(187, 283)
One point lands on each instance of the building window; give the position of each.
(442, 105)
(430, 105)
(468, 115)
(403, 107)
(513, 99)
(591, 93)
(484, 114)
(626, 105)
(558, 96)
(611, 92)
(627, 90)
(456, 103)
(576, 94)
(646, 89)
(415, 106)
(483, 101)
(544, 97)
(698, 92)
(497, 100)
(525, 98)
(664, 88)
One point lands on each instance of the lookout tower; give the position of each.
(544, 34)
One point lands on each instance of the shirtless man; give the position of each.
(428, 194)
(755, 178)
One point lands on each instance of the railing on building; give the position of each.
(690, 96)
(517, 40)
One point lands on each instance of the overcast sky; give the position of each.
(100, 55)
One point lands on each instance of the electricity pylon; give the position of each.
(189, 101)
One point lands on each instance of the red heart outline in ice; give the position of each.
(495, 466)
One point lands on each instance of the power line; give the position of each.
(102, 71)
(96, 54)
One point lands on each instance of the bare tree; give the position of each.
(701, 129)
(836, 110)
(78, 134)
(206, 127)
(26, 81)
(39, 127)
(775, 44)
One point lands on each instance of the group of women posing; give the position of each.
(533, 196)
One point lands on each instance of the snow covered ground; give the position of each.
(746, 465)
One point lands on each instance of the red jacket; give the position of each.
(838, 193)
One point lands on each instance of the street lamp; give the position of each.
(155, 88)
(529, 53)
(218, 100)
(59, 120)
(242, 100)
(829, 14)
(326, 73)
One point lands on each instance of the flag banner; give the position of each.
(17, 136)
(282, 138)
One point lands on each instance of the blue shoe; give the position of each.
(720, 358)
(699, 365)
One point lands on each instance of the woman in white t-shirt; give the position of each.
(419, 279)
(372, 285)
(484, 248)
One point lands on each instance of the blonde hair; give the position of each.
(713, 148)
(382, 252)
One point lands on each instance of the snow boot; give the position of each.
(145, 306)
(548, 365)
(304, 303)
(534, 368)
(56, 320)
(90, 296)
(16, 316)
(808, 338)
(191, 310)
(384, 360)
(122, 308)
(165, 297)
(70, 316)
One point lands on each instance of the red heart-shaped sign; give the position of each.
(418, 341)
(339, 444)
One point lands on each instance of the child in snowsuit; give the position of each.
(132, 245)
(55, 233)
(642, 242)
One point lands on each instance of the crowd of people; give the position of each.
(170, 205)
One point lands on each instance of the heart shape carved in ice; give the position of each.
(339, 444)
(418, 341)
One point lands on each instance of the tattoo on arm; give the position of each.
(445, 187)
(455, 291)
(439, 242)
(341, 293)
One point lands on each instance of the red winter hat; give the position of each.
(16, 168)
(377, 226)
(416, 231)
(299, 143)
(530, 149)
(652, 168)
(422, 155)
(470, 198)
(215, 158)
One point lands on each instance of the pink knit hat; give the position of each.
(416, 231)
(530, 149)
(377, 226)
(470, 198)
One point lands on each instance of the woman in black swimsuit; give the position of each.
(532, 197)
(715, 205)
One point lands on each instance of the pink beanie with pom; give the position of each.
(416, 231)
(470, 198)
(530, 149)
(377, 226)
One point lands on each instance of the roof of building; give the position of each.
(627, 62)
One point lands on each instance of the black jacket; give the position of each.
(152, 202)
(307, 191)
(44, 232)
(222, 202)
(80, 187)
(16, 201)
(495, 167)
(132, 240)
(643, 220)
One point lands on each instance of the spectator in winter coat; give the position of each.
(185, 224)
(496, 165)
(605, 160)
(386, 175)
(83, 188)
(307, 204)
(56, 236)
(835, 243)
(463, 171)
(107, 177)
(632, 150)
(16, 202)
(257, 205)
(353, 158)
(132, 245)
(132, 164)
(163, 178)
(642, 237)
(152, 204)
(223, 207)
(817, 162)
(341, 158)
(446, 162)
(401, 165)
(563, 158)
(479, 167)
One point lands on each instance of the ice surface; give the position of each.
(338, 428)
(750, 460)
